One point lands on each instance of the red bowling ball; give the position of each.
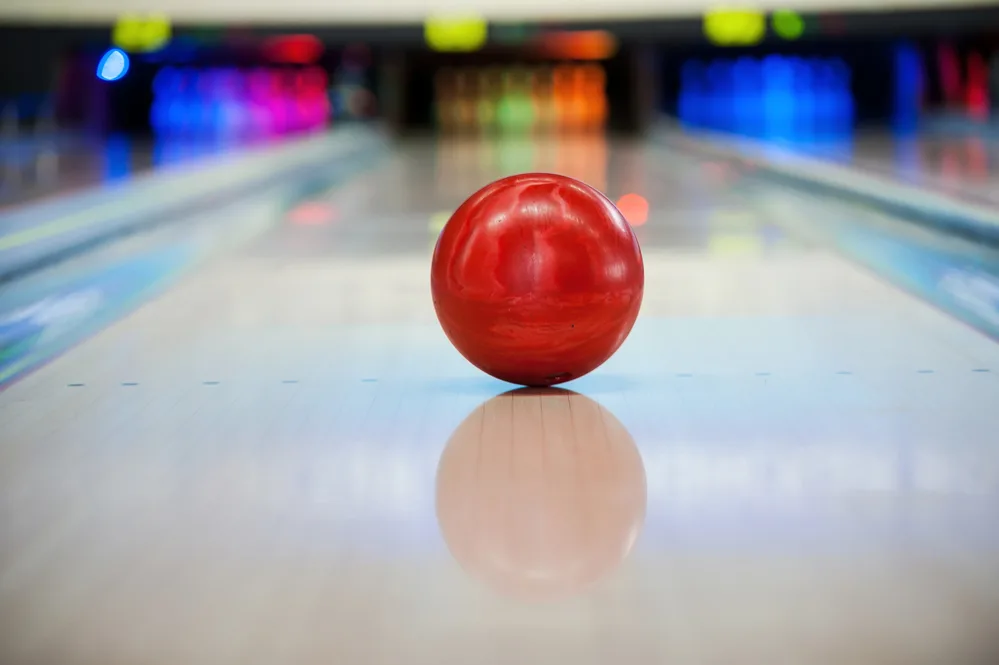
(537, 279)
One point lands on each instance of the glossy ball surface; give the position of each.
(537, 279)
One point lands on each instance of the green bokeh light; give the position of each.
(515, 113)
(788, 24)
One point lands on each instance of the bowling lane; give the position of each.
(283, 460)
(39, 167)
(231, 108)
(961, 166)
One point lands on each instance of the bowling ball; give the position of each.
(537, 279)
(540, 494)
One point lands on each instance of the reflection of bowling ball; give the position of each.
(540, 493)
(537, 279)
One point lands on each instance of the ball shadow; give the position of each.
(596, 383)
(541, 493)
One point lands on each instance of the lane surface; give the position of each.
(962, 166)
(39, 167)
(281, 459)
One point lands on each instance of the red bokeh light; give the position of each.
(294, 49)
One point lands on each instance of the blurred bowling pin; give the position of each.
(746, 96)
(544, 100)
(523, 100)
(445, 93)
(692, 101)
(465, 108)
(801, 107)
(561, 92)
(489, 91)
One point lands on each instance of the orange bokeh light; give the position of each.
(579, 45)
(634, 208)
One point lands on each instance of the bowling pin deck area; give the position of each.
(281, 458)
(521, 100)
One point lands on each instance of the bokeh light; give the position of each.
(239, 102)
(113, 65)
(735, 27)
(774, 98)
(635, 209)
(455, 33)
(578, 45)
(142, 34)
(294, 49)
(788, 24)
(519, 100)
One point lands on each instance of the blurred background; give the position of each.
(243, 444)
(89, 92)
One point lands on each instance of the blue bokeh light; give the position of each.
(113, 65)
(775, 98)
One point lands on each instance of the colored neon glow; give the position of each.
(578, 45)
(455, 33)
(230, 102)
(788, 24)
(294, 49)
(907, 88)
(735, 27)
(521, 99)
(113, 65)
(976, 94)
(950, 74)
(776, 98)
(142, 34)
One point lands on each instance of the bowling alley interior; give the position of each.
(550, 332)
